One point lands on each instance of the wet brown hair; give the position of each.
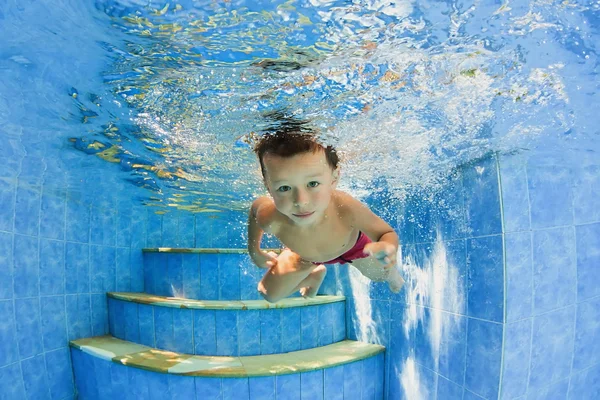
(289, 144)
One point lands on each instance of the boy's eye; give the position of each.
(313, 184)
(283, 188)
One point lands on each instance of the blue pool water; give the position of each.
(472, 127)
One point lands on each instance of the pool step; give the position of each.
(109, 368)
(201, 274)
(226, 328)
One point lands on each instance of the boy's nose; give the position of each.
(300, 198)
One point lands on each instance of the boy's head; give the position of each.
(299, 172)
(288, 144)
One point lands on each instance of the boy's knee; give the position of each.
(266, 294)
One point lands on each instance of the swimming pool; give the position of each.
(470, 127)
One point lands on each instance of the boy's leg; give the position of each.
(373, 269)
(310, 286)
(285, 277)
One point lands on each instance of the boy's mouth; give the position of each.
(304, 215)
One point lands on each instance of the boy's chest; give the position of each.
(320, 244)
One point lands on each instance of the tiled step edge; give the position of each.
(178, 302)
(202, 251)
(166, 362)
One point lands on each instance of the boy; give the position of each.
(317, 223)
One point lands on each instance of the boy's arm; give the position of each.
(385, 240)
(255, 234)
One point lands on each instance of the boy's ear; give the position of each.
(336, 176)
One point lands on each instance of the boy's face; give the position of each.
(301, 185)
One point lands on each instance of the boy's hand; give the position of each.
(265, 260)
(382, 251)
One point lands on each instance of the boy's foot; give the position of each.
(313, 282)
(394, 280)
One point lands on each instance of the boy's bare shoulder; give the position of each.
(348, 206)
(264, 211)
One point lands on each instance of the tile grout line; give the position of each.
(505, 276)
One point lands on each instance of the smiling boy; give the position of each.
(317, 223)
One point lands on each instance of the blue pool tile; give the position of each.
(515, 194)
(77, 221)
(552, 347)
(103, 227)
(208, 388)
(102, 269)
(52, 267)
(163, 327)
(368, 383)
(482, 200)
(119, 380)
(102, 371)
(203, 232)
(405, 226)
(235, 389)
(182, 387)
(205, 332)
(588, 259)
(132, 330)
(288, 387)
(291, 330)
(186, 230)
(554, 391)
(7, 205)
(270, 331)
(448, 390)
(250, 275)
(451, 220)
(352, 380)
(584, 384)
(550, 195)
(325, 324)
(153, 229)
(554, 270)
(312, 385)
(425, 349)
(138, 227)
(78, 313)
(249, 333)
(26, 266)
(484, 352)
(146, 325)
(27, 313)
(11, 382)
(587, 334)
(517, 348)
(137, 271)
(485, 278)
(77, 272)
(191, 276)
(229, 276)
(149, 261)
(52, 218)
(35, 378)
(453, 342)
(54, 322)
(423, 220)
(227, 336)
(85, 376)
(8, 339)
(333, 383)
(169, 230)
(209, 276)
(99, 314)
(310, 328)
(262, 388)
(60, 375)
(27, 210)
(158, 386)
(138, 382)
(175, 275)
(6, 266)
(116, 317)
(379, 376)
(183, 331)
(124, 226)
(586, 192)
(519, 276)
(456, 276)
(339, 321)
(122, 270)
(467, 395)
